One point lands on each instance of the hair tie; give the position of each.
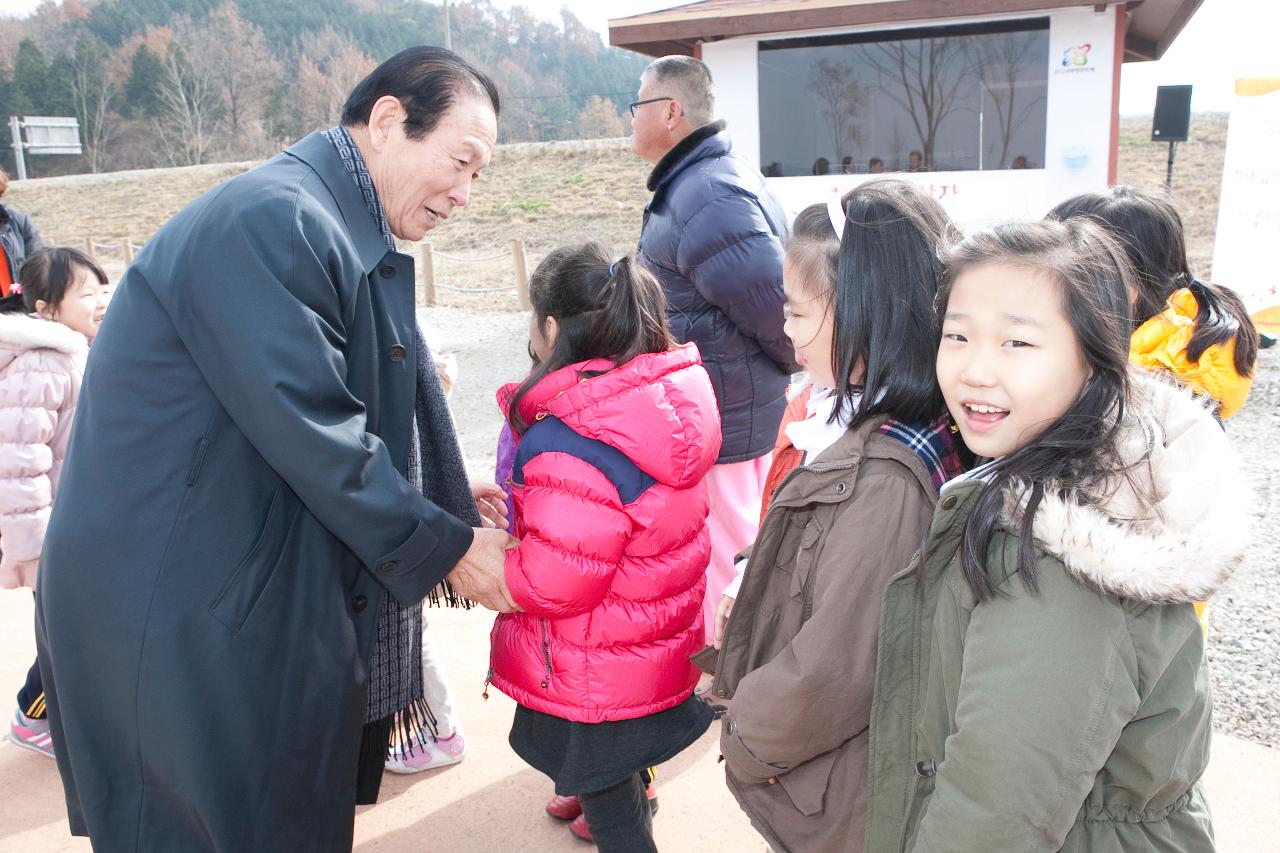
(835, 210)
(613, 268)
(16, 287)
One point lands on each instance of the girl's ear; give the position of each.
(550, 331)
(42, 308)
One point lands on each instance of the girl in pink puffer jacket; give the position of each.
(46, 323)
(617, 426)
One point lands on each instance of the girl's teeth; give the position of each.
(985, 410)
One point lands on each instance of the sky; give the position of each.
(1225, 39)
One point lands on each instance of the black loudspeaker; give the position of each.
(1173, 114)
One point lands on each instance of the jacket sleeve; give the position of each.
(735, 263)
(30, 234)
(816, 692)
(575, 535)
(1047, 683)
(265, 328)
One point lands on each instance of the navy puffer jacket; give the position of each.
(713, 235)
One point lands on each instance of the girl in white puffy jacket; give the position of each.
(47, 320)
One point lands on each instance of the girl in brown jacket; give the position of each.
(798, 652)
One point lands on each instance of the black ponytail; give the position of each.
(610, 310)
(13, 303)
(1150, 231)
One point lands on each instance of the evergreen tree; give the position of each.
(142, 93)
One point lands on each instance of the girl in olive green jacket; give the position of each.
(1041, 681)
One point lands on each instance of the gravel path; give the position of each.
(1244, 642)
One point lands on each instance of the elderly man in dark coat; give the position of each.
(713, 235)
(237, 541)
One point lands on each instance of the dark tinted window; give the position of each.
(935, 99)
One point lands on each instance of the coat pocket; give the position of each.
(807, 784)
(236, 600)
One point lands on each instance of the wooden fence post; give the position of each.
(128, 250)
(88, 246)
(522, 274)
(428, 276)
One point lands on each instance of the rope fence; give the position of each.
(124, 249)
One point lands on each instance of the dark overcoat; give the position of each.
(232, 508)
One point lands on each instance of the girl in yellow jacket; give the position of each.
(1198, 332)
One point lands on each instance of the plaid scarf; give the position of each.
(435, 468)
(932, 443)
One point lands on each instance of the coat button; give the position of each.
(388, 565)
(721, 692)
(841, 488)
(949, 501)
(396, 353)
(359, 603)
(926, 768)
(386, 271)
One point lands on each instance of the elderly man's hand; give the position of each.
(480, 574)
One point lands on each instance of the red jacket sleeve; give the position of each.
(575, 532)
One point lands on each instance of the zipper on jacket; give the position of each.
(488, 679)
(546, 650)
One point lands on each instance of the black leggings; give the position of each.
(31, 696)
(619, 816)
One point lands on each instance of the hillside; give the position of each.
(549, 193)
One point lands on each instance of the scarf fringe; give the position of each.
(442, 595)
(410, 728)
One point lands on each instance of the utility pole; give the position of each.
(448, 41)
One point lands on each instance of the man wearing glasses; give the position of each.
(713, 235)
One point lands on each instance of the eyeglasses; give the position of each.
(638, 104)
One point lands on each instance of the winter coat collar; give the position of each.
(659, 409)
(672, 161)
(318, 152)
(22, 332)
(1173, 530)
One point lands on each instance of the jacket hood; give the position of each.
(1175, 527)
(678, 156)
(659, 409)
(21, 333)
(1161, 344)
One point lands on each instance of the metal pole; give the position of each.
(1168, 174)
(448, 41)
(15, 128)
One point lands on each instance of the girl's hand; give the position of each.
(492, 503)
(723, 609)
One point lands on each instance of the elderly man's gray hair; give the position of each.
(688, 80)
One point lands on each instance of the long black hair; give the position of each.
(46, 276)
(1079, 450)
(1150, 231)
(610, 310)
(885, 272)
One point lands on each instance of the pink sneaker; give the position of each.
(432, 754)
(31, 734)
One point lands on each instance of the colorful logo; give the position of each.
(1077, 56)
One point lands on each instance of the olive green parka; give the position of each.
(1078, 716)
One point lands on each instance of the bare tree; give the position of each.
(925, 76)
(599, 119)
(329, 66)
(1000, 66)
(838, 87)
(236, 54)
(190, 104)
(92, 91)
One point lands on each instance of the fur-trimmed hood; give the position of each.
(20, 333)
(1175, 527)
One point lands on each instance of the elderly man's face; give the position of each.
(649, 136)
(420, 182)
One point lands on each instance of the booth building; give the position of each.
(1001, 108)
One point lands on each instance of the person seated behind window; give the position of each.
(846, 165)
(821, 166)
(875, 166)
(1019, 162)
(915, 162)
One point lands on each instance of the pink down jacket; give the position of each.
(611, 515)
(41, 367)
